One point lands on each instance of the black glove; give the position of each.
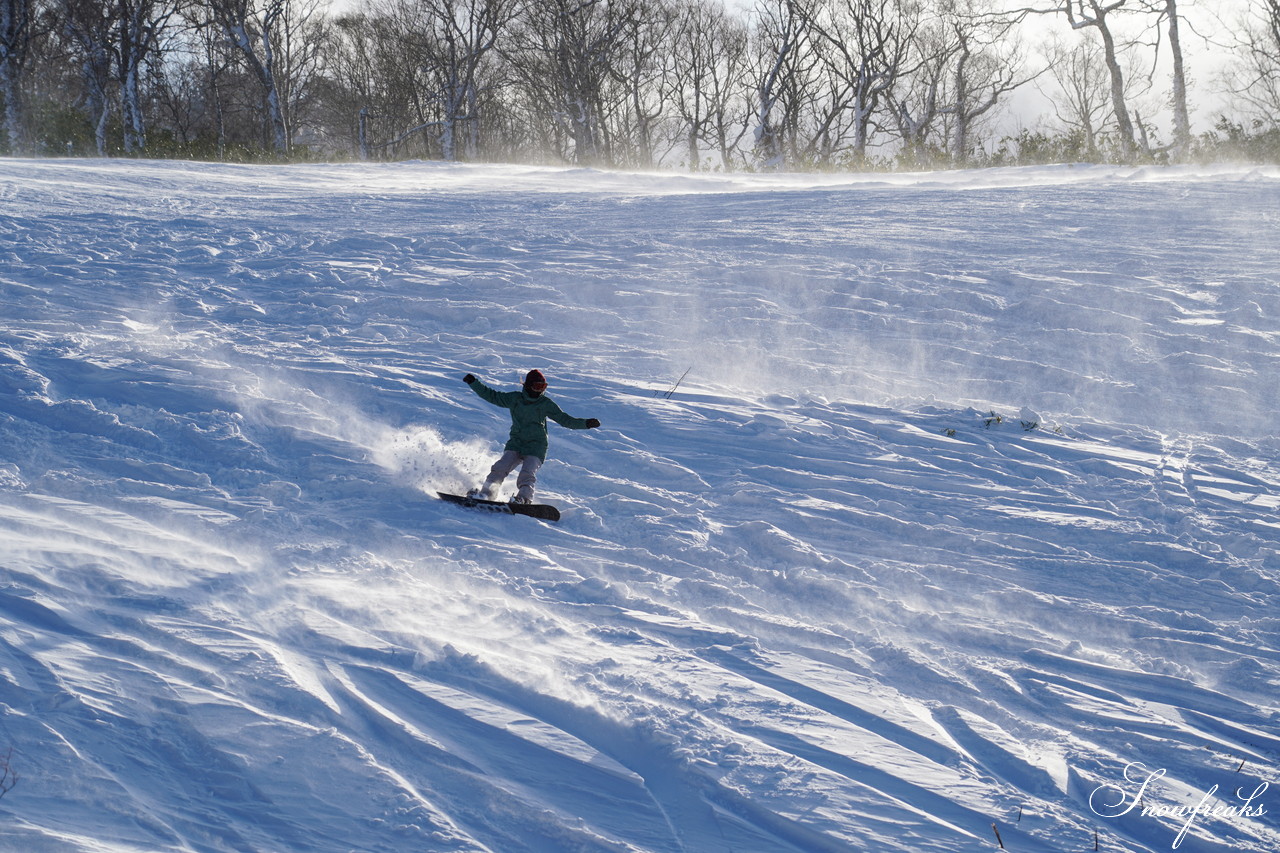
(592, 423)
(469, 378)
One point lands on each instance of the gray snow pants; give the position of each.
(507, 463)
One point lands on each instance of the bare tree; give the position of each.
(987, 66)
(709, 53)
(1165, 12)
(1095, 14)
(139, 26)
(250, 26)
(421, 65)
(192, 90)
(278, 42)
(1255, 79)
(8, 777)
(644, 72)
(358, 78)
(16, 30)
(811, 83)
(459, 36)
(867, 48)
(380, 72)
(1178, 95)
(918, 96)
(782, 59)
(962, 63)
(301, 39)
(1081, 102)
(564, 55)
(87, 25)
(114, 42)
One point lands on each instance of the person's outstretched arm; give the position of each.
(557, 414)
(489, 395)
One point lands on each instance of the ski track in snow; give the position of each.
(967, 502)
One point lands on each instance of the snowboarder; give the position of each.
(527, 446)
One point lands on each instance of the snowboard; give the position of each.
(546, 512)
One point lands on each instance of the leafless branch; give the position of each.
(8, 776)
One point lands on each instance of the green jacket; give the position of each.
(528, 418)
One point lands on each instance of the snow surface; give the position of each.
(966, 505)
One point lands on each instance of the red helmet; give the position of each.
(535, 381)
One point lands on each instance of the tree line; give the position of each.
(786, 84)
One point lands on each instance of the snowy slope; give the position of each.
(967, 503)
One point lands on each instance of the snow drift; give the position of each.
(962, 519)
